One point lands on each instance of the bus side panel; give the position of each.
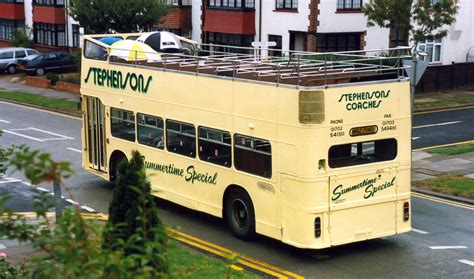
(302, 201)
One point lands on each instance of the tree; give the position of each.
(73, 247)
(133, 226)
(419, 21)
(102, 16)
(21, 37)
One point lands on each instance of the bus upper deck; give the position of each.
(291, 68)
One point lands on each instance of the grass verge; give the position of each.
(186, 264)
(462, 100)
(452, 150)
(38, 100)
(450, 184)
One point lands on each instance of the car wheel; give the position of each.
(40, 72)
(11, 69)
(240, 214)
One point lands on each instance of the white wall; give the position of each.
(29, 13)
(332, 22)
(196, 20)
(280, 23)
(461, 35)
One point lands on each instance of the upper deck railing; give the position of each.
(271, 65)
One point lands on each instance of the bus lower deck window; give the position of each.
(150, 131)
(253, 155)
(181, 138)
(215, 146)
(122, 124)
(360, 153)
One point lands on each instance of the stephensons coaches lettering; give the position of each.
(364, 100)
(116, 80)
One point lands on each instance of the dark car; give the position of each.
(48, 62)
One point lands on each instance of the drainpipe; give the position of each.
(66, 23)
(260, 21)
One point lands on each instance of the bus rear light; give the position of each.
(406, 211)
(317, 227)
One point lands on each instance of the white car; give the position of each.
(9, 57)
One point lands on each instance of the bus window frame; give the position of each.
(230, 165)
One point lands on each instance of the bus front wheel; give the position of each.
(240, 214)
(117, 158)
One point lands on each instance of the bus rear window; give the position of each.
(360, 153)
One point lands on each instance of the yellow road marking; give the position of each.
(444, 145)
(228, 251)
(203, 245)
(442, 110)
(236, 267)
(444, 201)
(41, 110)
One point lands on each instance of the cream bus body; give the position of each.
(307, 200)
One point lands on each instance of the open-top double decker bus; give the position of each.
(313, 149)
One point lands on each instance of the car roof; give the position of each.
(12, 49)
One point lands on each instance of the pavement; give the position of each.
(17, 83)
(428, 166)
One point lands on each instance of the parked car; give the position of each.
(48, 62)
(9, 57)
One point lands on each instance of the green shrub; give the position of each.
(21, 37)
(53, 77)
(133, 226)
(71, 78)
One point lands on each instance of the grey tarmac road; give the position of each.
(443, 127)
(425, 253)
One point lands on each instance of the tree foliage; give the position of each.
(103, 16)
(21, 37)
(73, 246)
(422, 20)
(133, 213)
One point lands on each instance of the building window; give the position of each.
(76, 36)
(349, 4)
(150, 131)
(433, 48)
(353, 154)
(215, 146)
(277, 49)
(181, 138)
(49, 2)
(229, 39)
(287, 4)
(253, 155)
(231, 4)
(122, 124)
(49, 34)
(338, 42)
(7, 26)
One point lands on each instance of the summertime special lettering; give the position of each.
(370, 188)
(189, 175)
(116, 80)
(364, 100)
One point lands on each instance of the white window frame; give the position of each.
(434, 46)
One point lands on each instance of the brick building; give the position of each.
(52, 28)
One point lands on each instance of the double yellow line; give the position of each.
(444, 201)
(241, 261)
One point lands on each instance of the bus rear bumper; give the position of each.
(345, 226)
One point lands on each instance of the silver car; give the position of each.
(10, 56)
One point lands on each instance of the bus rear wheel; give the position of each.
(240, 214)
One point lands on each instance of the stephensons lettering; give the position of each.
(116, 80)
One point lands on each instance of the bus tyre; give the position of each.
(240, 214)
(115, 167)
